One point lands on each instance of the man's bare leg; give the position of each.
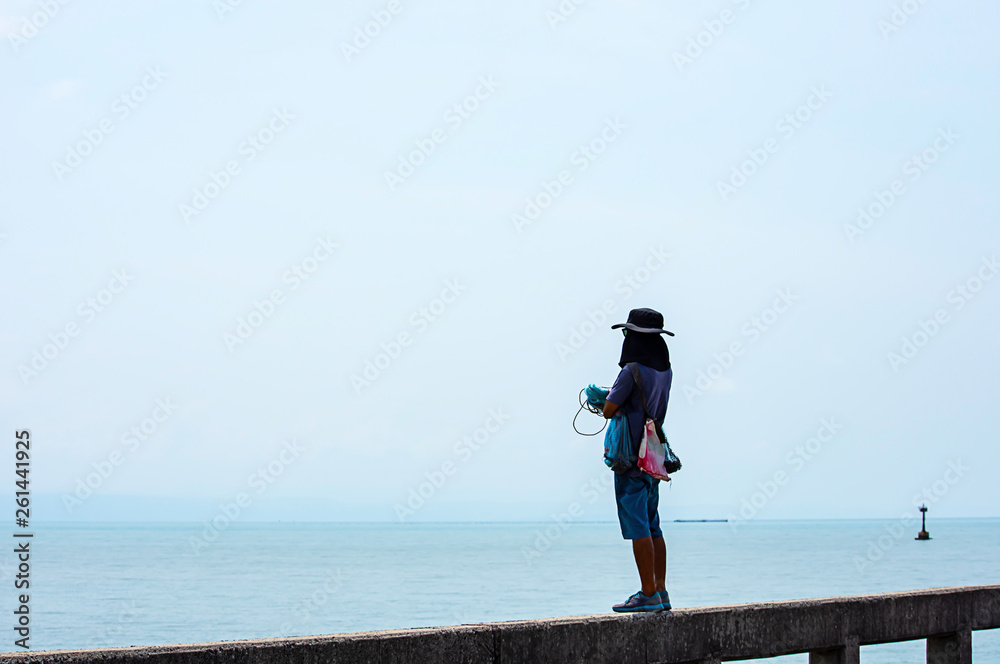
(660, 564)
(645, 560)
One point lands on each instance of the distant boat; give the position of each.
(701, 520)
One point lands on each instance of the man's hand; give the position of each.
(610, 409)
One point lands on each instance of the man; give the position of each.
(637, 493)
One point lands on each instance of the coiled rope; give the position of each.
(593, 402)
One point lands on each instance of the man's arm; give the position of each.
(619, 392)
(610, 409)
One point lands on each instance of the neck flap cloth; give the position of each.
(647, 349)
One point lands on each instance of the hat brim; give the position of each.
(643, 330)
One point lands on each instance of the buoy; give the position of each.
(923, 534)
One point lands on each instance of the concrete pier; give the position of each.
(831, 630)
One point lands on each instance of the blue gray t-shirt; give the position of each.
(656, 386)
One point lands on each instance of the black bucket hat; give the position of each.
(646, 321)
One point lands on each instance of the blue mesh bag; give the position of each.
(618, 444)
(618, 454)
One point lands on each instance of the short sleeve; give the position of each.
(622, 388)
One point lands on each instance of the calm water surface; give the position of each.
(139, 584)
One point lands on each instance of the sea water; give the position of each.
(106, 585)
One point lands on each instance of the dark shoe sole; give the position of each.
(649, 608)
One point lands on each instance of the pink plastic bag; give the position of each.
(652, 454)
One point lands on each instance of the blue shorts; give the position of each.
(638, 498)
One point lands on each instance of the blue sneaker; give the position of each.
(665, 598)
(640, 602)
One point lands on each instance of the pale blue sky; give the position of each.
(278, 71)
